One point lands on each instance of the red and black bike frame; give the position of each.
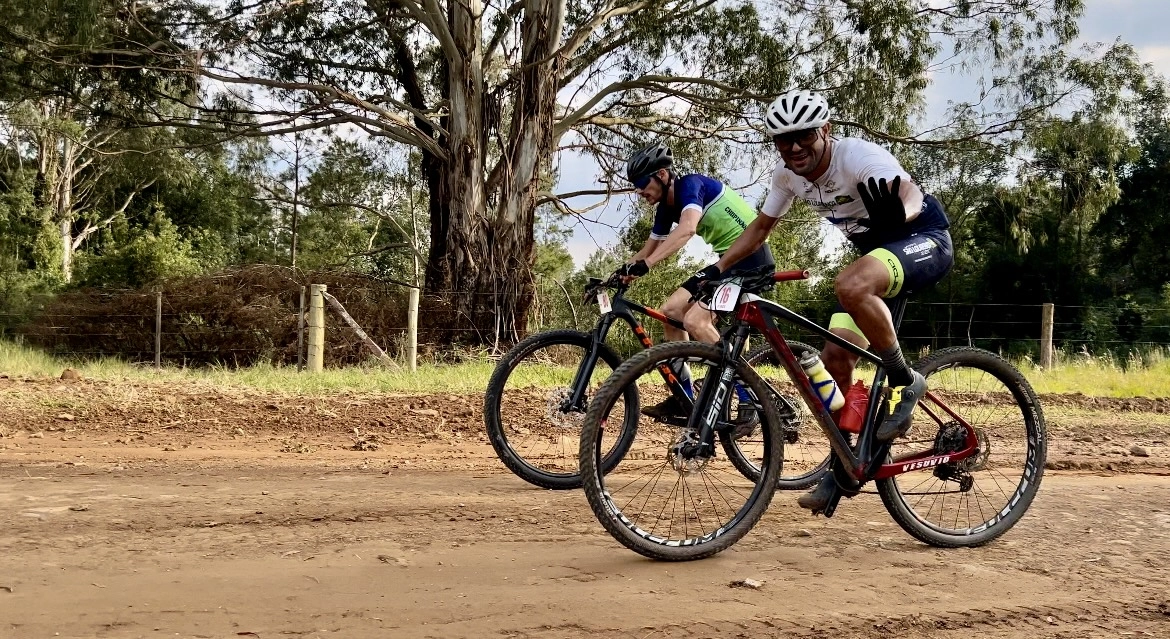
(757, 313)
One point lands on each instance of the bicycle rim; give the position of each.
(531, 433)
(661, 500)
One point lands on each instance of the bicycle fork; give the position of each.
(713, 397)
(580, 385)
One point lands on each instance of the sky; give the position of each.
(1141, 23)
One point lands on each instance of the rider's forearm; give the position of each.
(912, 197)
(647, 249)
(671, 245)
(747, 243)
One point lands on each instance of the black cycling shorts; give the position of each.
(762, 257)
(914, 263)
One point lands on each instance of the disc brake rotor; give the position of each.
(978, 461)
(557, 417)
(682, 454)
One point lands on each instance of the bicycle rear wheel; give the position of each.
(806, 449)
(670, 497)
(975, 500)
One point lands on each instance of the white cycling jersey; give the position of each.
(834, 195)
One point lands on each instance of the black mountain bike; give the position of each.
(540, 389)
(964, 473)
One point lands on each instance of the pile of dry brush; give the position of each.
(235, 318)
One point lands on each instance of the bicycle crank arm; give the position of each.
(831, 505)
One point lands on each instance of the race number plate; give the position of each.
(603, 302)
(725, 297)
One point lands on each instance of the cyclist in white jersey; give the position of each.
(902, 233)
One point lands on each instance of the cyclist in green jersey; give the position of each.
(687, 205)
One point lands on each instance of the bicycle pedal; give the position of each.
(677, 422)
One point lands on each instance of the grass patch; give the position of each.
(1149, 382)
(468, 377)
(1104, 377)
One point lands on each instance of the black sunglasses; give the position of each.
(786, 141)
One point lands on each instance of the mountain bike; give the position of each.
(976, 443)
(540, 390)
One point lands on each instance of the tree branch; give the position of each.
(544, 197)
(431, 16)
(651, 82)
(409, 133)
(501, 29)
(381, 215)
(583, 32)
(90, 229)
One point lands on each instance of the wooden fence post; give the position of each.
(158, 331)
(316, 355)
(361, 333)
(412, 330)
(301, 333)
(1046, 335)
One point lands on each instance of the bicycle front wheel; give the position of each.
(671, 497)
(975, 500)
(527, 423)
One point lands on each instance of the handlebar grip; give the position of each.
(790, 276)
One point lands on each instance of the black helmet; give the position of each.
(649, 160)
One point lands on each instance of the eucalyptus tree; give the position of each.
(71, 73)
(488, 91)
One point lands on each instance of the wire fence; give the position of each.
(240, 323)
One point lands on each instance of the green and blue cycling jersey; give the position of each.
(725, 213)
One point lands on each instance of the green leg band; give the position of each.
(894, 267)
(844, 320)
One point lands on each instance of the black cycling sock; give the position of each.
(896, 369)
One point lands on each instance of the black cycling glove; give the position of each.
(695, 282)
(883, 203)
(636, 269)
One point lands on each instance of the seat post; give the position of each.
(897, 311)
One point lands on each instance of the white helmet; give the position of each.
(796, 110)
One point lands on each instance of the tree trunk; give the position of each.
(481, 261)
(64, 212)
(296, 213)
(529, 151)
(460, 266)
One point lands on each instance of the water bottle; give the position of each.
(856, 401)
(822, 382)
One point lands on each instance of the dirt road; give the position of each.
(146, 514)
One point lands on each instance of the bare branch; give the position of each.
(501, 30)
(90, 229)
(408, 133)
(650, 82)
(381, 215)
(544, 197)
(603, 15)
(431, 16)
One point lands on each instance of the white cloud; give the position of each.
(1158, 56)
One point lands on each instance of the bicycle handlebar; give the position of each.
(790, 276)
(614, 282)
(596, 285)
